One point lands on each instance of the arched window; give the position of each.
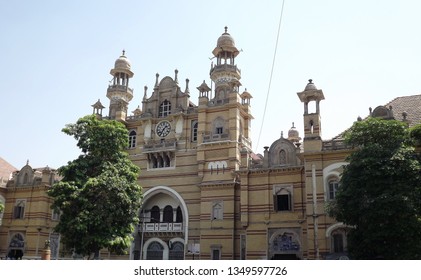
(217, 210)
(176, 251)
(132, 139)
(333, 187)
(168, 214)
(179, 215)
(19, 209)
(218, 125)
(194, 131)
(164, 109)
(155, 214)
(338, 241)
(155, 251)
(282, 157)
(282, 198)
(25, 179)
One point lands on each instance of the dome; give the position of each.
(225, 40)
(122, 65)
(293, 134)
(225, 43)
(310, 86)
(122, 62)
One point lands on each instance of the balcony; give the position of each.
(162, 227)
(160, 146)
(215, 137)
(119, 88)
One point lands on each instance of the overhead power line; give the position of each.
(271, 74)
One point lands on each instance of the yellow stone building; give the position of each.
(207, 195)
(28, 221)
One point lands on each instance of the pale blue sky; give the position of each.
(56, 57)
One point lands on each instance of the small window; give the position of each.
(217, 210)
(216, 254)
(155, 214)
(282, 157)
(168, 214)
(282, 198)
(338, 243)
(132, 139)
(194, 131)
(333, 188)
(283, 202)
(164, 109)
(19, 209)
(218, 125)
(56, 215)
(179, 215)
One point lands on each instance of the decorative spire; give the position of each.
(176, 76)
(226, 29)
(187, 86)
(124, 52)
(145, 94)
(156, 82)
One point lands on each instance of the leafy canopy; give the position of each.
(98, 195)
(380, 192)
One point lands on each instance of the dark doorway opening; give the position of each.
(285, 257)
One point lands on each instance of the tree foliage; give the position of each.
(380, 192)
(98, 195)
(1, 207)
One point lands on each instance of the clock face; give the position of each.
(163, 129)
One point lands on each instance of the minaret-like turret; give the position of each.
(225, 73)
(118, 91)
(312, 120)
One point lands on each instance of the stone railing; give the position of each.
(165, 145)
(215, 137)
(335, 144)
(162, 227)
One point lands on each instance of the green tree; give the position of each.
(380, 191)
(1, 207)
(98, 195)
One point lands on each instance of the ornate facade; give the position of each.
(207, 195)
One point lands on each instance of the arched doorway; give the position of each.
(155, 251)
(285, 244)
(176, 251)
(16, 247)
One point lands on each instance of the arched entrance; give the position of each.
(284, 244)
(163, 229)
(155, 251)
(16, 247)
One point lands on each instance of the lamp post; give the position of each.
(141, 231)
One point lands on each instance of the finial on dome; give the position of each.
(310, 81)
(226, 29)
(124, 52)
